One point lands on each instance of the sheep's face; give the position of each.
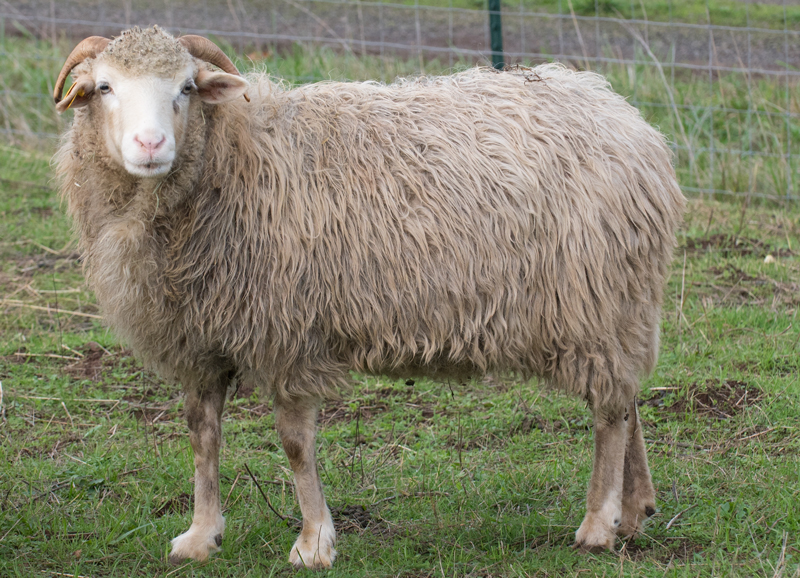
(144, 116)
(142, 90)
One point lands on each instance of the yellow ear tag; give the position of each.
(78, 93)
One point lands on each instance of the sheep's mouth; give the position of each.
(148, 169)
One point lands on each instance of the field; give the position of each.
(485, 478)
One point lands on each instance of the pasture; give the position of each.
(485, 478)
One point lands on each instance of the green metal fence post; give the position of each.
(496, 32)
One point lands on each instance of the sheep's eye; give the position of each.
(103, 88)
(187, 89)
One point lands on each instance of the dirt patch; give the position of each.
(531, 422)
(719, 400)
(95, 359)
(244, 390)
(348, 519)
(28, 266)
(357, 519)
(669, 550)
(42, 211)
(729, 284)
(180, 504)
(729, 245)
(732, 274)
(61, 444)
(737, 278)
(90, 365)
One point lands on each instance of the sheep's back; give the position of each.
(479, 222)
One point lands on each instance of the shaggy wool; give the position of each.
(519, 221)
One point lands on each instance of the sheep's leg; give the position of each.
(638, 494)
(296, 424)
(203, 409)
(604, 501)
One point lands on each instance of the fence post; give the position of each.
(496, 32)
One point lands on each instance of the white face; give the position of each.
(145, 117)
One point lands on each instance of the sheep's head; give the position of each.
(140, 87)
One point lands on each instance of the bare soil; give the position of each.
(714, 399)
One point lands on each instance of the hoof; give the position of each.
(198, 543)
(595, 534)
(633, 520)
(314, 549)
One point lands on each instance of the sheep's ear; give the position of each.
(78, 95)
(219, 87)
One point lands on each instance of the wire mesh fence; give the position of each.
(719, 78)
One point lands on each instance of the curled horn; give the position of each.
(89, 48)
(206, 50)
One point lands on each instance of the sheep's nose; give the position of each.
(150, 141)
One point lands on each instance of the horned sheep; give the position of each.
(506, 222)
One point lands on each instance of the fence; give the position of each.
(717, 78)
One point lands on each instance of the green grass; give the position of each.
(483, 479)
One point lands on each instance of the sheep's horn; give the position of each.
(204, 49)
(89, 48)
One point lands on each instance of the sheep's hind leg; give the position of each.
(604, 502)
(203, 409)
(296, 424)
(638, 494)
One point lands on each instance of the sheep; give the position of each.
(518, 222)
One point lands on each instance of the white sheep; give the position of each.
(518, 222)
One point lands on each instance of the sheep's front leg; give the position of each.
(638, 494)
(604, 501)
(204, 412)
(296, 424)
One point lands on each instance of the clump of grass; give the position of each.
(30, 68)
(738, 134)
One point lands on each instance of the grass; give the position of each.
(479, 479)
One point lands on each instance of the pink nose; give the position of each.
(150, 142)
